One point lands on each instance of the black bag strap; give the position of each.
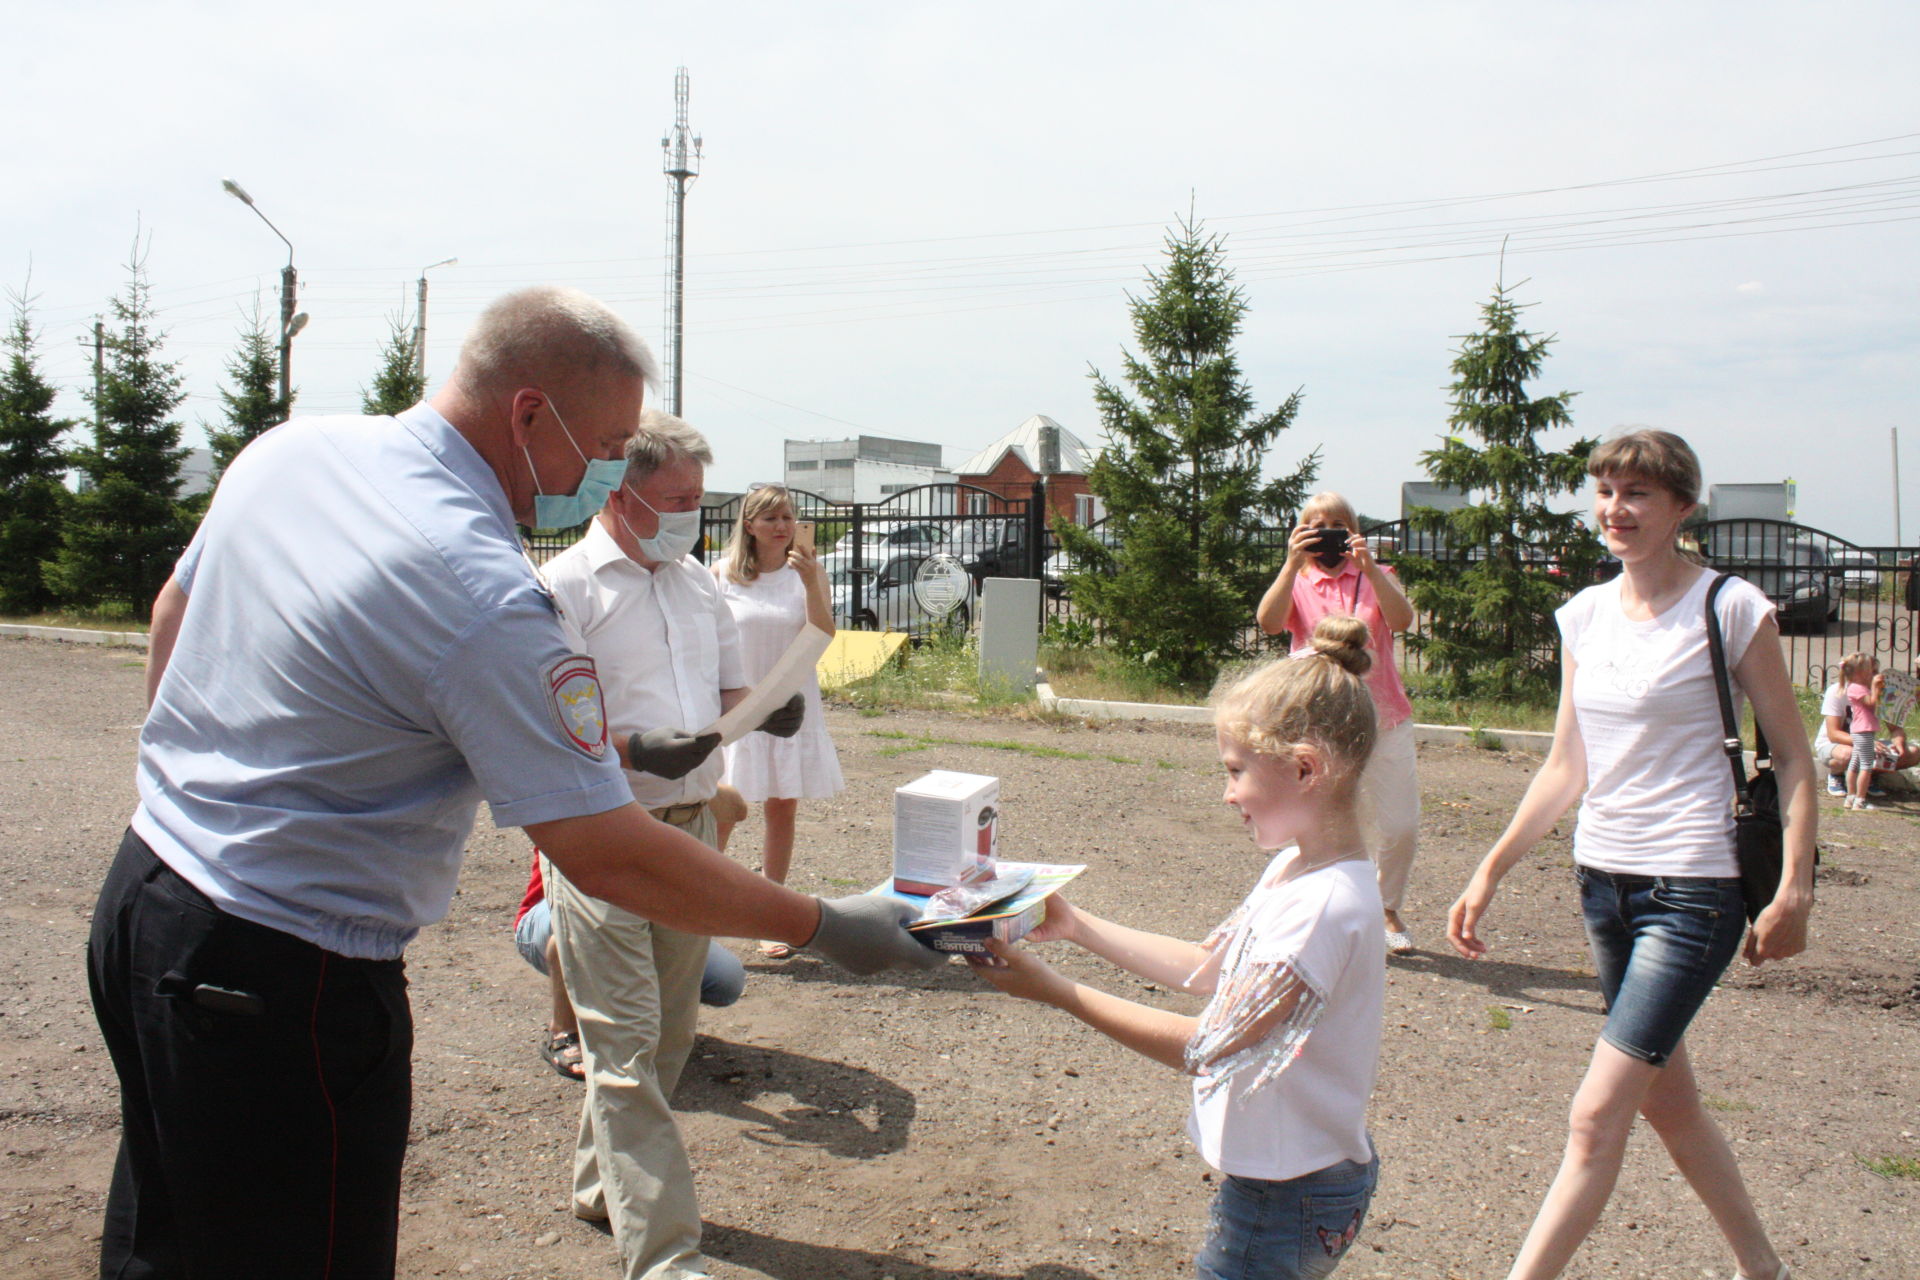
(1722, 685)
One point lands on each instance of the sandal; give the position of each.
(562, 1052)
(777, 951)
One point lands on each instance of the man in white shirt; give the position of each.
(668, 659)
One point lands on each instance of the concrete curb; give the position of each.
(1531, 740)
(74, 635)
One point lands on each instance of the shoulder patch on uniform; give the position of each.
(573, 692)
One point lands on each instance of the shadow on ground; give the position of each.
(792, 1260)
(841, 1109)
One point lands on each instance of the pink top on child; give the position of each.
(1864, 718)
(1316, 594)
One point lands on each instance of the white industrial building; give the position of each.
(863, 469)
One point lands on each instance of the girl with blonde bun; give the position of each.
(1284, 1054)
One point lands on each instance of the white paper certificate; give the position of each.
(788, 677)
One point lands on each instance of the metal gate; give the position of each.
(872, 550)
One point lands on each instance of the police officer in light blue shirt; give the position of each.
(351, 654)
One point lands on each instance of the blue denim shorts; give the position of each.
(1659, 944)
(1298, 1229)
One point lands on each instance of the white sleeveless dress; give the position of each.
(769, 612)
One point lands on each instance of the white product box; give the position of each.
(945, 826)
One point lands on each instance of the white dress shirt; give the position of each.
(665, 646)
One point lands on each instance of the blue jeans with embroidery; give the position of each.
(1298, 1229)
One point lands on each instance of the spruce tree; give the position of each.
(33, 492)
(1509, 559)
(252, 403)
(1181, 473)
(398, 385)
(126, 528)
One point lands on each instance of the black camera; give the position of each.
(1330, 543)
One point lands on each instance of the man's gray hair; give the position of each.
(550, 334)
(661, 441)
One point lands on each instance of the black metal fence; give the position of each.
(1834, 597)
(873, 550)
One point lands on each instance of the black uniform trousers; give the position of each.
(265, 1090)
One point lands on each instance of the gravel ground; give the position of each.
(933, 1130)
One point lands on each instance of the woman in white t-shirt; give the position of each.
(1639, 732)
(1283, 1057)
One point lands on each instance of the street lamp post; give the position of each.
(420, 320)
(290, 323)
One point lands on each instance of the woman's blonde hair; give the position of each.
(1329, 503)
(743, 561)
(1319, 698)
(1658, 457)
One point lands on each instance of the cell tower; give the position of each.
(680, 159)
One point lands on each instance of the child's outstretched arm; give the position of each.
(1153, 956)
(1153, 1033)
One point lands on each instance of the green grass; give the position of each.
(1714, 1102)
(1904, 1167)
(1102, 675)
(1499, 1019)
(106, 618)
(942, 674)
(921, 741)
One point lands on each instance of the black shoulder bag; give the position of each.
(1757, 834)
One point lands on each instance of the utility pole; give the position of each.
(680, 160)
(1896, 486)
(100, 367)
(420, 319)
(290, 323)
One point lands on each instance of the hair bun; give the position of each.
(1342, 639)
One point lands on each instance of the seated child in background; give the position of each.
(1860, 674)
(1284, 1055)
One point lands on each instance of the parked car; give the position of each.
(1060, 565)
(1794, 572)
(880, 540)
(1860, 571)
(991, 548)
(892, 596)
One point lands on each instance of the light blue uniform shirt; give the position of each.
(365, 655)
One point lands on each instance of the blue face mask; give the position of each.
(565, 510)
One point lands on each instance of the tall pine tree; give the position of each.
(1181, 473)
(1490, 599)
(398, 385)
(126, 528)
(33, 492)
(252, 404)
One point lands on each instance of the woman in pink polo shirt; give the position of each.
(1314, 583)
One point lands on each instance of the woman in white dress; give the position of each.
(775, 587)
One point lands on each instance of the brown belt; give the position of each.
(679, 815)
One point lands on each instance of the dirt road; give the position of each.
(933, 1130)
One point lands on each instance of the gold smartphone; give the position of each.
(803, 535)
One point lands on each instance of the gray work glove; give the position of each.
(785, 722)
(867, 932)
(669, 753)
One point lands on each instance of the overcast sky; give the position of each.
(920, 220)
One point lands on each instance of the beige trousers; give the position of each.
(1390, 811)
(636, 989)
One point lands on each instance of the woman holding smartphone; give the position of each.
(1330, 570)
(774, 583)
